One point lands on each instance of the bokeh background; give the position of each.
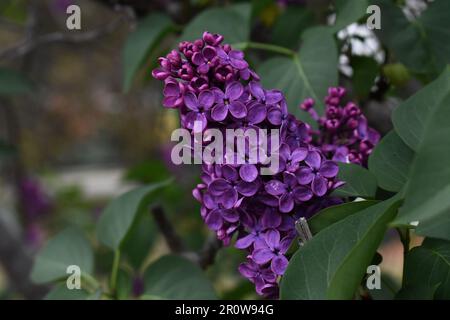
(72, 137)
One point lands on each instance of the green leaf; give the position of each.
(148, 172)
(390, 162)
(232, 22)
(413, 116)
(141, 43)
(435, 22)
(61, 292)
(349, 11)
(423, 45)
(332, 264)
(290, 25)
(427, 192)
(121, 213)
(365, 70)
(427, 271)
(331, 215)
(308, 74)
(173, 277)
(124, 285)
(137, 245)
(70, 247)
(13, 83)
(359, 182)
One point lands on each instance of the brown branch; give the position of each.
(208, 254)
(168, 231)
(31, 43)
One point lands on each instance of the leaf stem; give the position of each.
(265, 47)
(114, 271)
(91, 283)
(405, 239)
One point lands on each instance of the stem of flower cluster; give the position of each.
(114, 271)
(266, 47)
(405, 239)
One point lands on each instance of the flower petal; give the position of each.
(304, 175)
(256, 90)
(219, 112)
(329, 169)
(262, 256)
(248, 189)
(274, 115)
(319, 185)
(289, 179)
(234, 90)
(206, 99)
(246, 270)
(209, 52)
(198, 59)
(302, 193)
(245, 242)
(218, 187)
(279, 264)
(313, 159)
(248, 172)
(299, 154)
(286, 203)
(273, 96)
(256, 113)
(229, 198)
(190, 100)
(275, 187)
(272, 238)
(214, 220)
(237, 109)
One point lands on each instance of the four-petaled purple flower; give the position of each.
(205, 59)
(234, 58)
(273, 250)
(198, 108)
(288, 191)
(229, 101)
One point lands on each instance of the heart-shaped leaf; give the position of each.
(173, 277)
(413, 116)
(121, 213)
(427, 271)
(423, 45)
(390, 162)
(427, 193)
(140, 44)
(306, 75)
(359, 182)
(332, 264)
(70, 247)
(232, 22)
(331, 215)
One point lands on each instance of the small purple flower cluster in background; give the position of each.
(35, 204)
(344, 134)
(212, 84)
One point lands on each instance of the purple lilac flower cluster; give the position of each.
(36, 204)
(211, 83)
(344, 134)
